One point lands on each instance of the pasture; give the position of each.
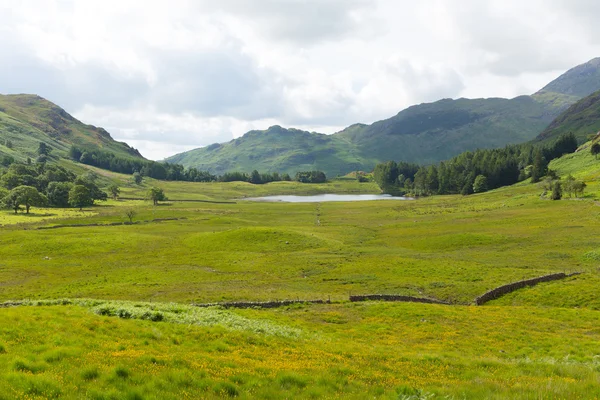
(532, 343)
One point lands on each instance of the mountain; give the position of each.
(582, 119)
(424, 133)
(278, 149)
(576, 81)
(26, 120)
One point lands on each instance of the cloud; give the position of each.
(171, 75)
(303, 22)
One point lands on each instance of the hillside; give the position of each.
(424, 133)
(26, 120)
(578, 82)
(428, 133)
(582, 119)
(278, 150)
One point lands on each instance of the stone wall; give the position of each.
(511, 287)
(393, 297)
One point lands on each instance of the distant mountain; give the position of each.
(577, 81)
(582, 119)
(26, 120)
(278, 150)
(424, 133)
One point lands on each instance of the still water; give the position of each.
(327, 197)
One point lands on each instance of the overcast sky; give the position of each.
(169, 76)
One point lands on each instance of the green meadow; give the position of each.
(105, 310)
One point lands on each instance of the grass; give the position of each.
(451, 248)
(380, 350)
(138, 337)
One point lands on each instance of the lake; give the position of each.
(327, 197)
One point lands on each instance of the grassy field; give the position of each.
(139, 338)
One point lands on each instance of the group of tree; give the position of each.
(311, 177)
(254, 177)
(473, 171)
(130, 165)
(42, 184)
(140, 168)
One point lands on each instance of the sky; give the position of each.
(170, 76)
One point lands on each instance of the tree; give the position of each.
(386, 176)
(130, 214)
(539, 167)
(595, 149)
(3, 194)
(88, 180)
(156, 194)
(80, 196)
(578, 188)
(255, 178)
(480, 185)
(43, 149)
(556, 191)
(286, 177)
(114, 191)
(568, 185)
(58, 193)
(27, 196)
(137, 177)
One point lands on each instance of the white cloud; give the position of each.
(173, 75)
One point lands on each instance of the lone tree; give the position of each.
(480, 185)
(137, 178)
(114, 191)
(80, 196)
(130, 214)
(27, 196)
(156, 194)
(595, 149)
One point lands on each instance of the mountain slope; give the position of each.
(582, 119)
(26, 120)
(578, 82)
(429, 133)
(277, 150)
(424, 133)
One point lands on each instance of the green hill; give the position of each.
(278, 150)
(428, 133)
(425, 133)
(582, 119)
(26, 120)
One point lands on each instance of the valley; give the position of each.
(119, 299)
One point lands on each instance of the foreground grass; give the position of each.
(342, 350)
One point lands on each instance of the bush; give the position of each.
(153, 316)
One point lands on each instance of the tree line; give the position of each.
(473, 171)
(177, 172)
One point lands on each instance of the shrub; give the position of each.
(122, 313)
